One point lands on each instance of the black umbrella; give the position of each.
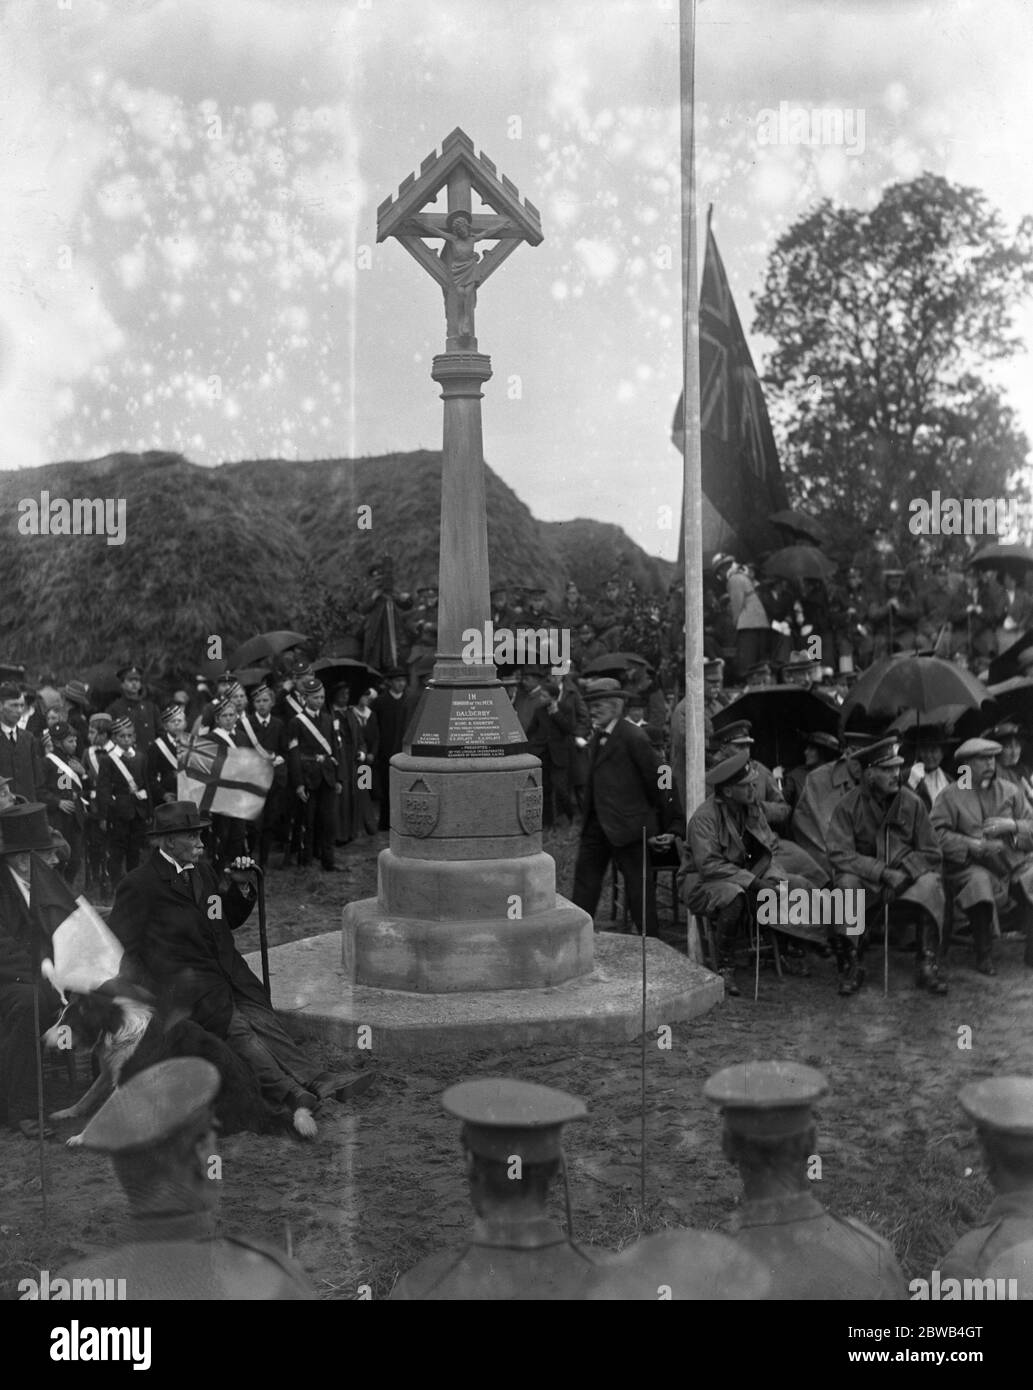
(103, 685)
(782, 716)
(1010, 559)
(799, 562)
(1011, 699)
(799, 523)
(1007, 665)
(910, 682)
(344, 670)
(255, 649)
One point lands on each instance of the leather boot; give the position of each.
(927, 974)
(848, 966)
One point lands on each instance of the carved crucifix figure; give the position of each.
(464, 268)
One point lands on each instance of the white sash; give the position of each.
(116, 757)
(59, 763)
(253, 737)
(304, 719)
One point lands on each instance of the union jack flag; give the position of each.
(224, 781)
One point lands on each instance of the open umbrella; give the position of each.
(265, 644)
(614, 661)
(799, 523)
(944, 716)
(782, 716)
(910, 682)
(1007, 665)
(345, 670)
(251, 676)
(103, 685)
(1010, 559)
(1012, 699)
(799, 562)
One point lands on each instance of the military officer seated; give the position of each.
(985, 828)
(158, 1129)
(511, 1141)
(1002, 1111)
(882, 846)
(770, 1136)
(731, 854)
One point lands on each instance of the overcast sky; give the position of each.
(189, 194)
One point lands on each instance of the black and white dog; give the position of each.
(119, 1024)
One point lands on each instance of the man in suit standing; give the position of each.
(313, 754)
(21, 758)
(394, 709)
(622, 795)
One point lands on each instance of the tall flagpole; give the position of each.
(692, 493)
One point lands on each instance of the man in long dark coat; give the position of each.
(176, 920)
(880, 841)
(21, 757)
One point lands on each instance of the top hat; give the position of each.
(25, 827)
(175, 817)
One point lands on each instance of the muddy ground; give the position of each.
(381, 1187)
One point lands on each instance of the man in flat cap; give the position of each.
(770, 1136)
(731, 854)
(1002, 1111)
(513, 1155)
(1011, 766)
(122, 800)
(21, 757)
(160, 1132)
(313, 755)
(881, 843)
(134, 705)
(623, 794)
(175, 919)
(985, 828)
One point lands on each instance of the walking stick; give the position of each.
(642, 1105)
(263, 940)
(40, 1117)
(886, 925)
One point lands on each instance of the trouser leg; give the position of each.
(629, 861)
(593, 858)
(273, 1057)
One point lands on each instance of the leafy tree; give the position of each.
(883, 321)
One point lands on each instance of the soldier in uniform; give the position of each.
(64, 793)
(163, 756)
(769, 1135)
(511, 1144)
(823, 790)
(313, 754)
(132, 704)
(123, 801)
(986, 834)
(880, 841)
(1001, 1108)
(95, 841)
(159, 1130)
(731, 853)
(737, 738)
(715, 697)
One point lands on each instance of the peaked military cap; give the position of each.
(884, 753)
(1002, 1104)
(124, 672)
(713, 667)
(822, 740)
(978, 748)
(1007, 728)
(731, 770)
(766, 1100)
(503, 1118)
(153, 1105)
(738, 731)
